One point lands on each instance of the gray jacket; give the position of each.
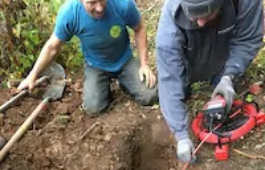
(187, 53)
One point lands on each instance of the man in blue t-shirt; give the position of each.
(101, 26)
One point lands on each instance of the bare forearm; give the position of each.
(141, 41)
(47, 55)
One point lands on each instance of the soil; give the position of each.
(127, 137)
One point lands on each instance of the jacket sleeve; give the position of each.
(171, 77)
(248, 38)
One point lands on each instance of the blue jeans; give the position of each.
(96, 92)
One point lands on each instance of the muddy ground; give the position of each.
(127, 137)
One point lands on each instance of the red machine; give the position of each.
(217, 126)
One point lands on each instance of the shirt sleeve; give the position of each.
(248, 39)
(132, 14)
(64, 27)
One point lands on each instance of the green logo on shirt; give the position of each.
(115, 31)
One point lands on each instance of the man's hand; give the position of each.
(29, 83)
(145, 73)
(185, 150)
(226, 89)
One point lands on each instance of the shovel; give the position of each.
(46, 75)
(54, 91)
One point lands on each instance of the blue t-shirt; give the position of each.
(105, 42)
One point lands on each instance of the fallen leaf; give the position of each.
(256, 88)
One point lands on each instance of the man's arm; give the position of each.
(134, 21)
(63, 31)
(171, 77)
(248, 39)
(141, 41)
(47, 55)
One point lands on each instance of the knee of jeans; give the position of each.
(147, 98)
(93, 107)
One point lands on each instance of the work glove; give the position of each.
(145, 73)
(225, 88)
(185, 150)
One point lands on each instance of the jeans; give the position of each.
(97, 94)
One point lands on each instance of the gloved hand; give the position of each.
(185, 150)
(226, 89)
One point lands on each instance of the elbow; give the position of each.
(52, 48)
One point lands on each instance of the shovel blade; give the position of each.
(56, 88)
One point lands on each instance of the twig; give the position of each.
(260, 157)
(244, 154)
(243, 93)
(89, 130)
(106, 123)
(248, 155)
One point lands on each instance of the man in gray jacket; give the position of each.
(201, 40)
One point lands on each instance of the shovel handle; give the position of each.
(21, 94)
(23, 128)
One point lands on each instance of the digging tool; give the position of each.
(54, 91)
(46, 75)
